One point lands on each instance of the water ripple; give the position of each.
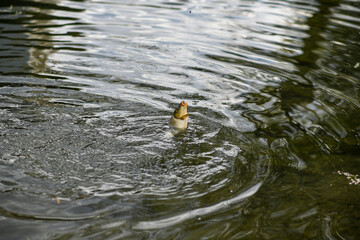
(197, 213)
(87, 89)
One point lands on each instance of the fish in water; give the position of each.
(179, 119)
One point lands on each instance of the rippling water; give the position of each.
(87, 89)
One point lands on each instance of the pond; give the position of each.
(87, 89)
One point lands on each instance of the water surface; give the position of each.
(87, 89)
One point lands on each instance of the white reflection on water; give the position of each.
(197, 213)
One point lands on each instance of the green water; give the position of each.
(87, 89)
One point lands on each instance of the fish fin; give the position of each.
(184, 116)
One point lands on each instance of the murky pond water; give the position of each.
(87, 89)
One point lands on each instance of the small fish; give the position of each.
(180, 118)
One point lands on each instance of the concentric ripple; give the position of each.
(87, 89)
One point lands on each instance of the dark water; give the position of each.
(87, 89)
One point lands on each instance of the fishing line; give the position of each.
(187, 35)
